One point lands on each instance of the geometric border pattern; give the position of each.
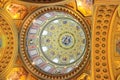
(10, 49)
(102, 19)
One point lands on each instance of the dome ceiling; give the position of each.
(54, 42)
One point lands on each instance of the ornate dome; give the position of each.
(54, 41)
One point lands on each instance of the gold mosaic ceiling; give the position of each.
(54, 41)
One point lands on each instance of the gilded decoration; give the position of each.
(119, 10)
(16, 11)
(85, 7)
(117, 43)
(44, 1)
(84, 76)
(17, 74)
(51, 44)
(113, 47)
(59, 39)
(2, 3)
(101, 25)
(8, 41)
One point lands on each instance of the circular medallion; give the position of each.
(60, 38)
(55, 42)
(66, 40)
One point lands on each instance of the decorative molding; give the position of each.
(44, 1)
(9, 49)
(114, 44)
(107, 2)
(101, 24)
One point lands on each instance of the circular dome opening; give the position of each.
(55, 42)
